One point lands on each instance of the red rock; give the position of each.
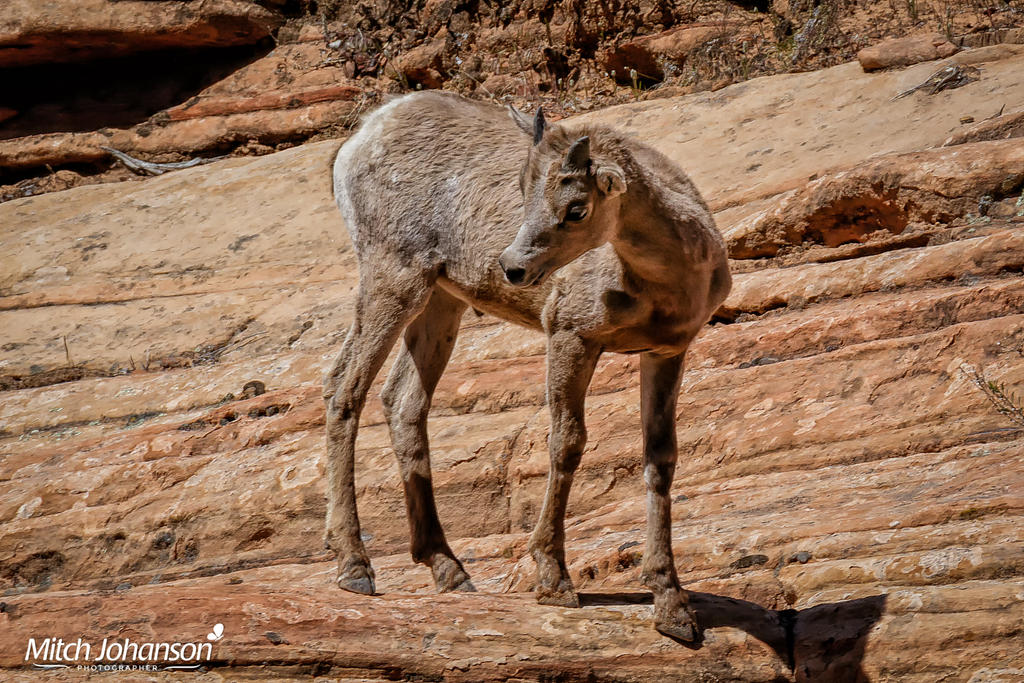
(185, 135)
(314, 32)
(884, 194)
(987, 38)
(287, 68)
(288, 94)
(465, 638)
(199, 107)
(648, 55)
(520, 85)
(62, 31)
(499, 84)
(421, 66)
(1009, 125)
(832, 423)
(831, 120)
(905, 51)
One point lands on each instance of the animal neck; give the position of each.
(648, 241)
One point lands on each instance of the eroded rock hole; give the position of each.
(853, 219)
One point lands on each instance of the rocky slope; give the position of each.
(848, 504)
(170, 80)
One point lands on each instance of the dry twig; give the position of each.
(152, 168)
(946, 78)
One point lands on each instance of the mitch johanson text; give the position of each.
(124, 650)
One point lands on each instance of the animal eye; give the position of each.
(576, 212)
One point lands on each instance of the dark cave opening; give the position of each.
(112, 93)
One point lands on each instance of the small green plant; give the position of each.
(1005, 402)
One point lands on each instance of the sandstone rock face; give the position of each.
(751, 141)
(1003, 35)
(69, 30)
(886, 195)
(322, 74)
(1000, 127)
(905, 51)
(286, 95)
(848, 504)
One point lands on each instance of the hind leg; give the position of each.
(407, 394)
(382, 310)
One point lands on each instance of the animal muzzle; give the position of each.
(518, 272)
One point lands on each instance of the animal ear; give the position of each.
(610, 179)
(539, 124)
(578, 156)
(521, 119)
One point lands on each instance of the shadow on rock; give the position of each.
(829, 640)
(820, 643)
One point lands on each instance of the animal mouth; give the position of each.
(519, 277)
(537, 278)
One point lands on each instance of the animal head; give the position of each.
(570, 199)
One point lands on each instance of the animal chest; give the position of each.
(635, 323)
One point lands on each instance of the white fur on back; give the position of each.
(368, 134)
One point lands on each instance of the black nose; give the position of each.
(515, 275)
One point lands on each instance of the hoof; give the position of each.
(686, 633)
(565, 598)
(554, 587)
(450, 576)
(362, 585)
(465, 587)
(678, 622)
(356, 577)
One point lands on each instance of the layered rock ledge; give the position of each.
(848, 504)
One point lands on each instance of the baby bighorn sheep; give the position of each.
(577, 230)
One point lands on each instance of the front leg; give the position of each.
(659, 389)
(571, 362)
